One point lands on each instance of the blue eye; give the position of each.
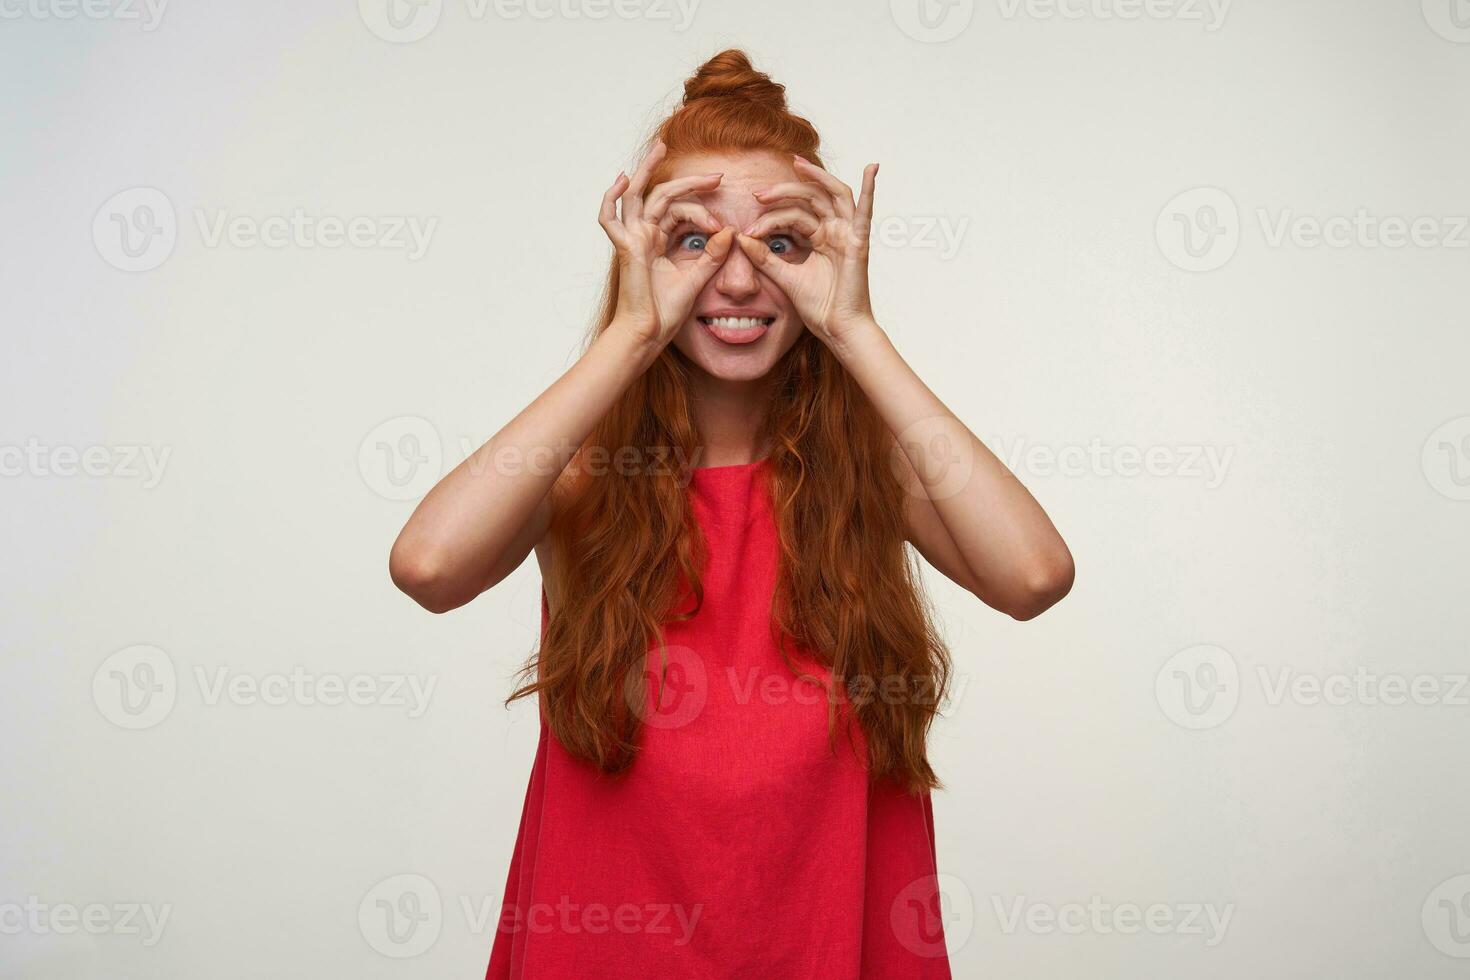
(780, 244)
(694, 241)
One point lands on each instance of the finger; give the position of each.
(698, 273)
(607, 214)
(717, 249)
(633, 197)
(783, 273)
(813, 195)
(671, 190)
(798, 219)
(865, 197)
(841, 193)
(690, 212)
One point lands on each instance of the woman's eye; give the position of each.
(695, 241)
(781, 244)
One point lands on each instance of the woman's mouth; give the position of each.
(737, 329)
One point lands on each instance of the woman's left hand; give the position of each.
(829, 288)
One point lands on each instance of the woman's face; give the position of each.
(741, 323)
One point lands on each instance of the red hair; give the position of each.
(627, 551)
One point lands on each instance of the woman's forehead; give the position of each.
(744, 171)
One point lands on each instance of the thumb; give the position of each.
(715, 251)
(766, 261)
(718, 248)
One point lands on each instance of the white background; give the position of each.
(1069, 317)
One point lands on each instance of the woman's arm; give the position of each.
(968, 514)
(970, 517)
(481, 520)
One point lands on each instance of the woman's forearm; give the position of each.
(481, 520)
(1013, 555)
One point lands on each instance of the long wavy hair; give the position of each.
(627, 551)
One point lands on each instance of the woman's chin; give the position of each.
(734, 368)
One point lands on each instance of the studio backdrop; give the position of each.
(1194, 269)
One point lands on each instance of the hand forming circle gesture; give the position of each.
(830, 288)
(656, 294)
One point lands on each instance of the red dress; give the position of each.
(738, 845)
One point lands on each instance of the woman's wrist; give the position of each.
(632, 341)
(857, 338)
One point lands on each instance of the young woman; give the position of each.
(737, 670)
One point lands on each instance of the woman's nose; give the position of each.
(737, 277)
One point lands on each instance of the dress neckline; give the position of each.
(730, 467)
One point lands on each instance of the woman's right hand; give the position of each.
(656, 292)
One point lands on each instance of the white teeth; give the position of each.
(735, 322)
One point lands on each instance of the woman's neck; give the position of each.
(728, 415)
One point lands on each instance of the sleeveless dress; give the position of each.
(738, 845)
